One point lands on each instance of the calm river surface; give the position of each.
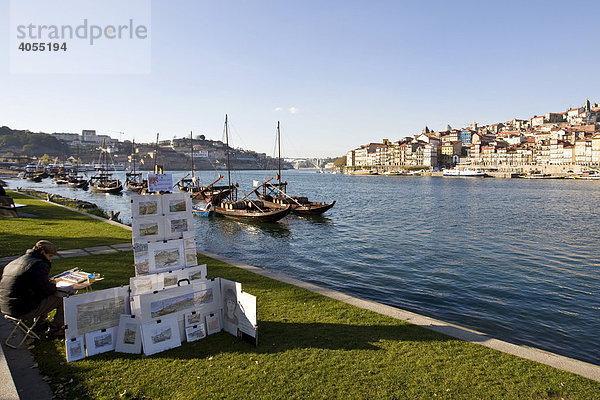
(517, 259)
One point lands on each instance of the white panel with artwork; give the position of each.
(248, 325)
(199, 295)
(165, 256)
(75, 349)
(160, 335)
(93, 311)
(129, 335)
(100, 341)
(151, 229)
(177, 204)
(145, 206)
(231, 311)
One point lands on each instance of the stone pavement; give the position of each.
(20, 377)
(88, 251)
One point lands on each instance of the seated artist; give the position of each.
(27, 292)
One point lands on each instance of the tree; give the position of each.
(340, 162)
(200, 137)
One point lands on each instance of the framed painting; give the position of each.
(201, 296)
(231, 310)
(100, 341)
(177, 225)
(165, 256)
(177, 204)
(195, 332)
(213, 323)
(129, 336)
(150, 229)
(160, 335)
(146, 206)
(75, 349)
(94, 311)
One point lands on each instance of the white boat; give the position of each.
(464, 172)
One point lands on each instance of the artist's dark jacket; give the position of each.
(25, 284)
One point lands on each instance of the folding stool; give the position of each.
(19, 323)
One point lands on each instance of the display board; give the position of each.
(160, 182)
(94, 311)
(169, 300)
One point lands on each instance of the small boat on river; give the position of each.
(103, 182)
(205, 211)
(463, 172)
(133, 180)
(275, 194)
(245, 209)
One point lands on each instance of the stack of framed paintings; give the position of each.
(168, 301)
(162, 232)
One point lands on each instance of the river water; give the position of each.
(517, 259)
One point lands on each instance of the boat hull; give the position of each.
(79, 184)
(253, 215)
(310, 208)
(107, 189)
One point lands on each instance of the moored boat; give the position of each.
(103, 182)
(275, 194)
(134, 180)
(245, 209)
(205, 211)
(463, 172)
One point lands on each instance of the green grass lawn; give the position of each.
(310, 346)
(66, 229)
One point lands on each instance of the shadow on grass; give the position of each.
(278, 337)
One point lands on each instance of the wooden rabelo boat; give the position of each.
(209, 193)
(246, 209)
(275, 194)
(75, 180)
(103, 182)
(134, 180)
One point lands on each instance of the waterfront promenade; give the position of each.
(342, 332)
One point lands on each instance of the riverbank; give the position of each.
(309, 346)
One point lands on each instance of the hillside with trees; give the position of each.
(31, 144)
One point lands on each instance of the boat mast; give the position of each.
(133, 155)
(279, 158)
(227, 143)
(192, 154)
(155, 153)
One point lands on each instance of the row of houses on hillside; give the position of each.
(570, 137)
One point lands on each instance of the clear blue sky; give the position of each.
(353, 72)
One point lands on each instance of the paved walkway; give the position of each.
(88, 251)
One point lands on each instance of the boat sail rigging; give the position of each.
(275, 194)
(210, 193)
(103, 182)
(133, 179)
(246, 209)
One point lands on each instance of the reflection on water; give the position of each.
(517, 259)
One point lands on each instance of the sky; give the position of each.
(336, 74)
